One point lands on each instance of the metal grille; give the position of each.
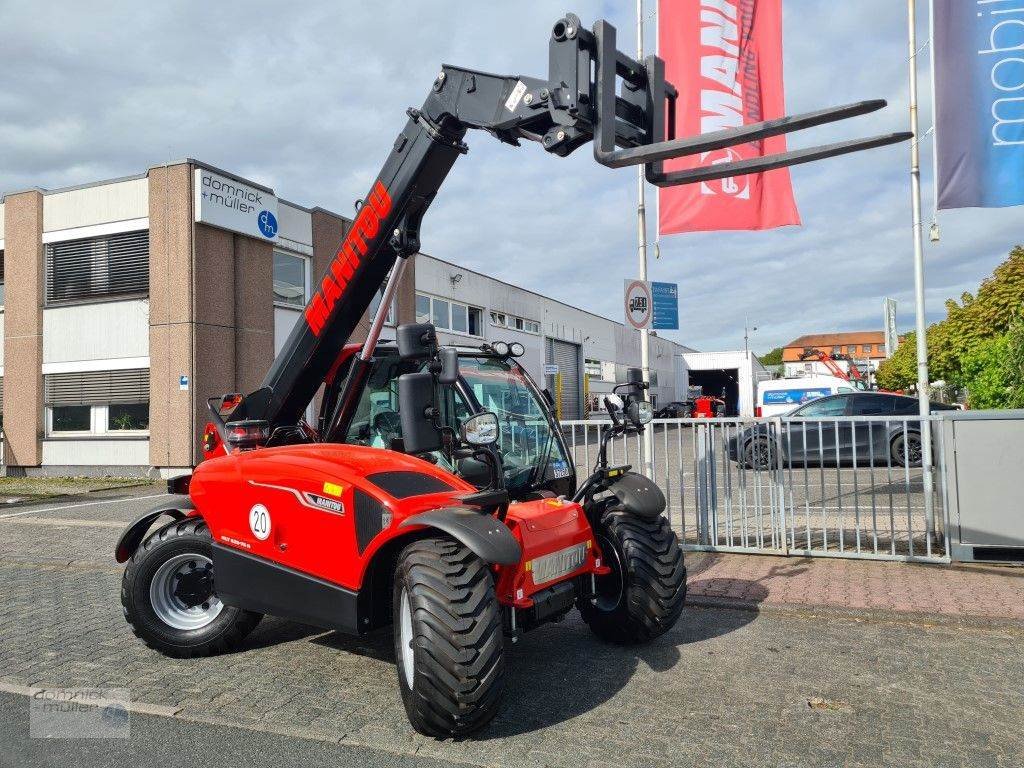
(827, 487)
(97, 387)
(98, 266)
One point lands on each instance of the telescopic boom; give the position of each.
(593, 92)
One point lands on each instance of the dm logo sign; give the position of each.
(267, 223)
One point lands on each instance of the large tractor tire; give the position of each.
(448, 638)
(168, 594)
(644, 594)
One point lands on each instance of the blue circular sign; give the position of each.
(267, 223)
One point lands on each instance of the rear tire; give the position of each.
(169, 599)
(643, 596)
(449, 644)
(759, 454)
(899, 449)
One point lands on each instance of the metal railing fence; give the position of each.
(831, 487)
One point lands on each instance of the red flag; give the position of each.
(725, 59)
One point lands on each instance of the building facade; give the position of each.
(865, 348)
(129, 302)
(126, 303)
(577, 355)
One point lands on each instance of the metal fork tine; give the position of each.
(771, 162)
(731, 137)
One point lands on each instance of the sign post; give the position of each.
(639, 305)
(892, 339)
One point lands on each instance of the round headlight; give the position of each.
(500, 348)
(644, 412)
(517, 349)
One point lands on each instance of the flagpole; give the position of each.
(641, 235)
(935, 124)
(922, 342)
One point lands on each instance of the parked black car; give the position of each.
(675, 410)
(830, 442)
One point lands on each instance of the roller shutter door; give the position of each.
(567, 357)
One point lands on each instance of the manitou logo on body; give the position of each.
(728, 85)
(349, 257)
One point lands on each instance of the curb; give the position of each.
(28, 501)
(876, 615)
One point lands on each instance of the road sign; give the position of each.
(892, 339)
(666, 306)
(639, 304)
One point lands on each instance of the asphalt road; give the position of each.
(725, 687)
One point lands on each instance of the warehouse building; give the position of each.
(126, 303)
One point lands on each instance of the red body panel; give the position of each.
(543, 527)
(323, 543)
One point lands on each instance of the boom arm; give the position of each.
(630, 125)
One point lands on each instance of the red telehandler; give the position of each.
(435, 492)
(829, 361)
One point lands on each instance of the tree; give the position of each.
(968, 323)
(771, 358)
(1015, 364)
(900, 371)
(984, 373)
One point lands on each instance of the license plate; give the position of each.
(558, 563)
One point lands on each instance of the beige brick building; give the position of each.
(127, 303)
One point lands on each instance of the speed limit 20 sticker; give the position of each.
(259, 522)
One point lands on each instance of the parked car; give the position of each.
(675, 410)
(834, 440)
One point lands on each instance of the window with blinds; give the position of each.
(98, 266)
(97, 387)
(2, 283)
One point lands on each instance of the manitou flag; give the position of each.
(979, 99)
(725, 59)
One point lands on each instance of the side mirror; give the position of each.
(640, 412)
(416, 341)
(449, 366)
(481, 429)
(416, 410)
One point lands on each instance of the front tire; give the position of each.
(449, 644)
(643, 596)
(168, 595)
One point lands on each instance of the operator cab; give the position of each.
(532, 453)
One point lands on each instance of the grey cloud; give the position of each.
(308, 98)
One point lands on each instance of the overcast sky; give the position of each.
(308, 98)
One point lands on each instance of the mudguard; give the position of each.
(486, 537)
(134, 533)
(639, 495)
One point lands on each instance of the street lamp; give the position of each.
(747, 330)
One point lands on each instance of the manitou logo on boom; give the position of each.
(348, 258)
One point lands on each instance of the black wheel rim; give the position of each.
(760, 454)
(914, 450)
(611, 587)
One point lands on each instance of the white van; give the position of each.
(780, 396)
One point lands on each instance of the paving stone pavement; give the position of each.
(787, 687)
(972, 591)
